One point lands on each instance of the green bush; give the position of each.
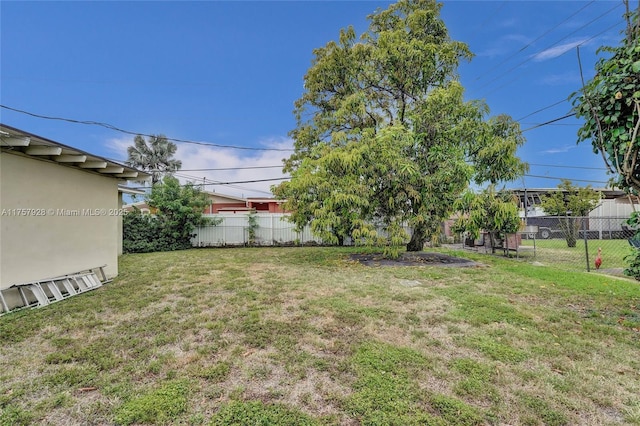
(178, 212)
(146, 233)
(633, 259)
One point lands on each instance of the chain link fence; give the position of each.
(573, 243)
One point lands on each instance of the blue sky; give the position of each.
(228, 73)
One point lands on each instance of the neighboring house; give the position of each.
(60, 214)
(221, 203)
(614, 202)
(605, 220)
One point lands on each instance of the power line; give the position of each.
(564, 178)
(568, 167)
(549, 122)
(224, 183)
(196, 178)
(215, 169)
(128, 132)
(542, 109)
(231, 168)
(538, 38)
(558, 41)
(493, 14)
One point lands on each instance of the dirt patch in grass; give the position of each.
(413, 259)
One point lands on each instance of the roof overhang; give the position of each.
(265, 200)
(19, 142)
(607, 193)
(131, 191)
(212, 194)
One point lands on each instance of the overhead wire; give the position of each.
(222, 183)
(564, 178)
(554, 44)
(536, 39)
(567, 167)
(546, 123)
(128, 132)
(541, 109)
(493, 14)
(112, 127)
(230, 185)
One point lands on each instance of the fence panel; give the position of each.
(233, 230)
(573, 242)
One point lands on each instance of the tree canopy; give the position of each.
(610, 106)
(384, 137)
(495, 212)
(154, 155)
(178, 210)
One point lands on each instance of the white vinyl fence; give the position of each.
(233, 230)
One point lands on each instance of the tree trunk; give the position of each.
(571, 231)
(418, 238)
(492, 239)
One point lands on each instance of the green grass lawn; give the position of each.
(303, 336)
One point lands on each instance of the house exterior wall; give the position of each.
(266, 206)
(119, 225)
(619, 207)
(64, 233)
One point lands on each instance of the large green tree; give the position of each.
(384, 136)
(609, 104)
(154, 155)
(571, 204)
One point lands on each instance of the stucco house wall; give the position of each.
(66, 228)
(60, 211)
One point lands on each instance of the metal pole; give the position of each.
(586, 245)
(526, 207)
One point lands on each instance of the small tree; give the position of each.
(252, 221)
(570, 203)
(491, 211)
(179, 210)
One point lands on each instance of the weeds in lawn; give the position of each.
(158, 406)
(305, 336)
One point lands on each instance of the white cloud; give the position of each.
(202, 157)
(118, 146)
(559, 150)
(556, 51)
(205, 157)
